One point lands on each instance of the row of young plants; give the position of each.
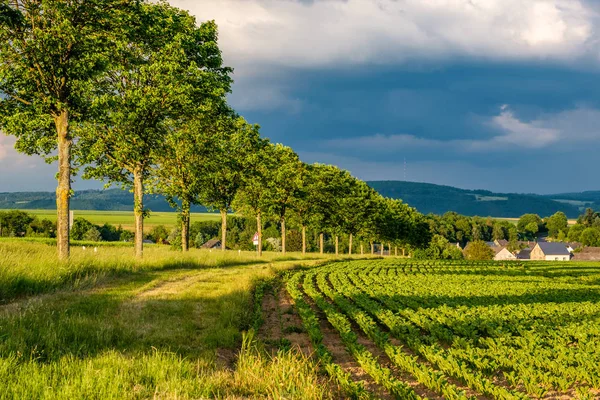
(547, 346)
(508, 331)
(432, 353)
(311, 324)
(368, 362)
(430, 378)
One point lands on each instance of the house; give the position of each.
(504, 255)
(550, 251)
(587, 254)
(501, 242)
(524, 254)
(212, 244)
(573, 246)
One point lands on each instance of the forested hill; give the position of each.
(437, 199)
(425, 197)
(109, 200)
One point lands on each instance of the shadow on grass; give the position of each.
(191, 325)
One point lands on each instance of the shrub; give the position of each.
(158, 234)
(93, 235)
(80, 227)
(478, 250)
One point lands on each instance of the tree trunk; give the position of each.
(321, 243)
(259, 230)
(282, 235)
(389, 249)
(337, 243)
(403, 252)
(138, 211)
(350, 244)
(362, 250)
(185, 225)
(303, 240)
(381, 250)
(223, 229)
(63, 190)
(396, 251)
(372, 248)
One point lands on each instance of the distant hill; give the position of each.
(425, 197)
(108, 200)
(582, 200)
(437, 199)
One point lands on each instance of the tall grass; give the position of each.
(156, 328)
(29, 268)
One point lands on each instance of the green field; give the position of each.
(232, 325)
(173, 326)
(458, 330)
(125, 218)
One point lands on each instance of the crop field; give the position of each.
(125, 218)
(455, 330)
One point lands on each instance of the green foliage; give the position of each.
(16, 223)
(575, 232)
(526, 222)
(80, 227)
(590, 237)
(478, 250)
(158, 234)
(50, 52)
(439, 249)
(462, 317)
(92, 235)
(557, 223)
(206, 229)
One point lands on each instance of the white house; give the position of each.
(551, 251)
(504, 255)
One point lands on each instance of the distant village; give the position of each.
(543, 251)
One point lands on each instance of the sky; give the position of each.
(501, 95)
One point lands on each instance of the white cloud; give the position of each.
(565, 129)
(334, 33)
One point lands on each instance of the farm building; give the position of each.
(212, 244)
(588, 254)
(524, 254)
(504, 255)
(551, 251)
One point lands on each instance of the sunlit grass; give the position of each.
(125, 218)
(110, 326)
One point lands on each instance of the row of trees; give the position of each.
(134, 92)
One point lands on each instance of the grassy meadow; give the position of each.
(125, 218)
(172, 325)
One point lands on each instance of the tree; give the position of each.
(478, 250)
(326, 187)
(162, 67)
(557, 223)
(252, 199)
(527, 220)
(284, 184)
(15, 222)
(50, 51)
(233, 147)
(531, 230)
(588, 218)
(93, 235)
(80, 227)
(575, 232)
(590, 237)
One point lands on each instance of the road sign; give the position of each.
(255, 239)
